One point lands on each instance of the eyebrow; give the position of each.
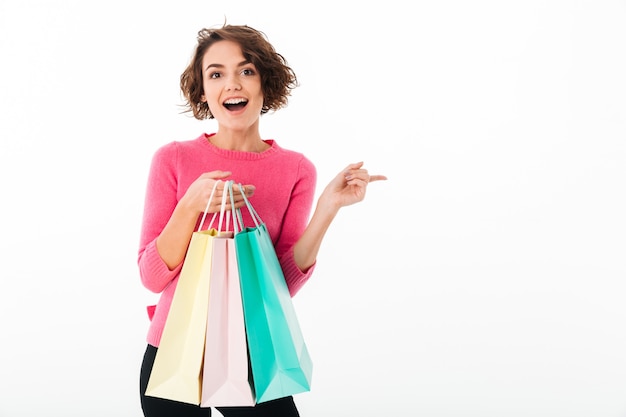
(241, 64)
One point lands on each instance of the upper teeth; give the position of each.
(235, 101)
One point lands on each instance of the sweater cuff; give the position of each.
(155, 275)
(294, 277)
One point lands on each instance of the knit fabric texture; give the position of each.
(285, 186)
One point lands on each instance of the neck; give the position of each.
(235, 141)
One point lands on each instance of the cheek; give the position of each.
(258, 91)
(208, 92)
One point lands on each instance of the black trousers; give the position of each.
(159, 407)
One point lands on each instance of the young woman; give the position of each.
(235, 76)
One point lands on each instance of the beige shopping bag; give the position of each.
(177, 370)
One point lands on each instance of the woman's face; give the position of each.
(232, 86)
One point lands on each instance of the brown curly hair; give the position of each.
(277, 77)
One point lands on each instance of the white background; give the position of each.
(486, 278)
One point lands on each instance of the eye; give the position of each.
(248, 71)
(215, 75)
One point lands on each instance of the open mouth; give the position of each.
(235, 103)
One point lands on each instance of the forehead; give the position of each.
(223, 53)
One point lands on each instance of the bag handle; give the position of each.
(236, 213)
(237, 219)
(223, 210)
(206, 209)
(255, 216)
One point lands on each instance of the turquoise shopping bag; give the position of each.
(280, 361)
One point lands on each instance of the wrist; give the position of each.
(327, 208)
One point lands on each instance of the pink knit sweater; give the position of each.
(285, 186)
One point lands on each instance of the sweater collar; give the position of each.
(240, 155)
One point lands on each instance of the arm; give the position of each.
(168, 223)
(174, 239)
(347, 188)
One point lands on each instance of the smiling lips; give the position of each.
(235, 103)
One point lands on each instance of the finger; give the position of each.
(354, 166)
(364, 174)
(359, 173)
(377, 178)
(247, 189)
(236, 196)
(218, 174)
(358, 182)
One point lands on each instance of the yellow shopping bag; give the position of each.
(177, 370)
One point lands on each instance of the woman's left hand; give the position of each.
(349, 186)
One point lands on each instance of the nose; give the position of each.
(233, 84)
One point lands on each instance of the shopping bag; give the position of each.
(280, 361)
(176, 373)
(226, 380)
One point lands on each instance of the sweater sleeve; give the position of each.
(294, 223)
(160, 201)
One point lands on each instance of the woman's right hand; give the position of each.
(199, 192)
(174, 239)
